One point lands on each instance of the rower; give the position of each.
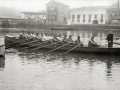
(32, 36)
(55, 39)
(64, 40)
(37, 36)
(22, 35)
(70, 40)
(50, 36)
(59, 37)
(78, 41)
(28, 37)
(43, 37)
(92, 43)
(47, 36)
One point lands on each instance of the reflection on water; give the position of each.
(51, 71)
(25, 70)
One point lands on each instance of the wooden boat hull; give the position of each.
(96, 50)
(2, 51)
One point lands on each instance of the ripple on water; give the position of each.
(38, 70)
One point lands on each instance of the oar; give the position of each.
(116, 43)
(58, 47)
(70, 49)
(34, 45)
(44, 46)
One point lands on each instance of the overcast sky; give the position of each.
(38, 5)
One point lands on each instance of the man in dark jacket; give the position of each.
(110, 39)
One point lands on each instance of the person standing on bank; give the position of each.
(110, 39)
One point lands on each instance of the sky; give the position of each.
(39, 5)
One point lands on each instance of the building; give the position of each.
(113, 15)
(88, 15)
(27, 15)
(39, 20)
(57, 12)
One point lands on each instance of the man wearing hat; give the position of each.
(22, 35)
(110, 39)
(70, 40)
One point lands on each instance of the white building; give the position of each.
(27, 15)
(39, 20)
(88, 15)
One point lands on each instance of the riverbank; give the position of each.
(37, 27)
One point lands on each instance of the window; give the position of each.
(83, 20)
(55, 8)
(78, 18)
(102, 16)
(52, 5)
(101, 20)
(89, 20)
(55, 18)
(95, 16)
(89, 16)
(84, 16)
(73, 18)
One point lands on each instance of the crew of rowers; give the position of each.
(55, 38)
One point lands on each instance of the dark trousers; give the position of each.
(110, 44)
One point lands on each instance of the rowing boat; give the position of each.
(2, 51)
(84, 49)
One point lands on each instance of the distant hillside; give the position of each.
(8, 12)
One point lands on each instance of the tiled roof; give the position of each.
(91, 7)
(34, 13)
(58, 3)
(113, 9)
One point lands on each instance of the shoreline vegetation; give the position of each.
(85, 27)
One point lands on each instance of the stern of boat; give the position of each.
(8, 41)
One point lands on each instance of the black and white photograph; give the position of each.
(59, 45)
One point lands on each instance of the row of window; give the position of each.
(52, 20)
(52, 17)
(84, 16)
(84, 20)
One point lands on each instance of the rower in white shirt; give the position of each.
(22, 35)
(46, 36)
(59, 37)
(37, 36)
(32, 36)
(28, 37)
(43, 37)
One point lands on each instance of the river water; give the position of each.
(39, 70)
